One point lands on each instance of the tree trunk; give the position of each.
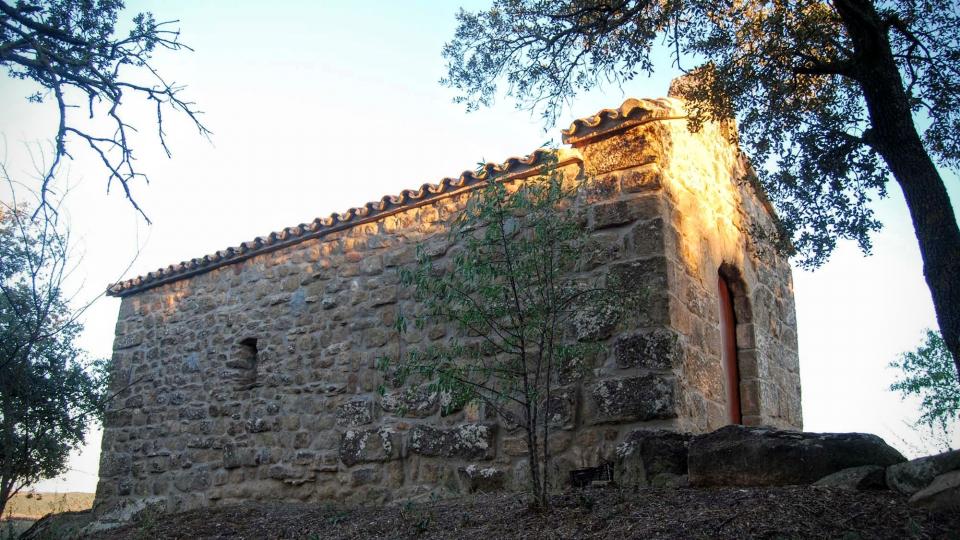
(5, 489)
(893, 135)
(532, 461)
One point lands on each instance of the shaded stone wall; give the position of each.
(257, 380)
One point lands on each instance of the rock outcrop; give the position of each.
(856, 478)
(942, 495)
(914, 475)
(744, 456)
(652, 457)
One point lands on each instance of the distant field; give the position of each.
(36, 505)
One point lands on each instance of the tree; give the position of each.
(70, 49)
(513, 291)
(928, 373)
(828, 96)
(49, 392)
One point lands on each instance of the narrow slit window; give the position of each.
(249, 357)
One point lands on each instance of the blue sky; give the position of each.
(320, 106)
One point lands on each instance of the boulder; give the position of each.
(468, 441)
(942, 495)
(649, 454)
(57, 525)
(752, 456)
(912, 476)
(856, 478)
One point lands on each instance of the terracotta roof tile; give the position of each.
(631, 112)
(512, 168)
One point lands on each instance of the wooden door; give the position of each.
(728, 345)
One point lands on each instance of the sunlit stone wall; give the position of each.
(256, 380)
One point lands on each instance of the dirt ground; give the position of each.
(785, 512)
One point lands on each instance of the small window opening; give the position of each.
(730, 359)
(248, 359)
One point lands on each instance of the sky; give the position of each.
(317, 107)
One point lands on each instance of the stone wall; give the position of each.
(251, 375)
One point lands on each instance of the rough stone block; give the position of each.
(383, 296)
(601, 188)
(371, 266)
(595, 322)
(643, 179)
(127, 341)
(158, 464)
(646, 397)
(417, 402)
(647, 239)
(641, 274)
(193, 481)
(372, 445)
(469, 441)
(601, 248)
(364, 475)
(637, 146)
(649, 349)
(612, 214)
(234, 457)
(482, 479)
(355, 413)
(113, 464)
(259, 425)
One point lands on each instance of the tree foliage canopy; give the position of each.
(928, 374)
(70, 48)
(784, 66)
(826, 95)
(49, 392)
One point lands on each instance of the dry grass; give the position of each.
(36, 505)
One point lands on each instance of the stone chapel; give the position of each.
(249, 374)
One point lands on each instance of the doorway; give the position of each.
(728, 346)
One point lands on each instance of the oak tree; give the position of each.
(832, 99)
(49, 390)
(71, 49)
(927, 373)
